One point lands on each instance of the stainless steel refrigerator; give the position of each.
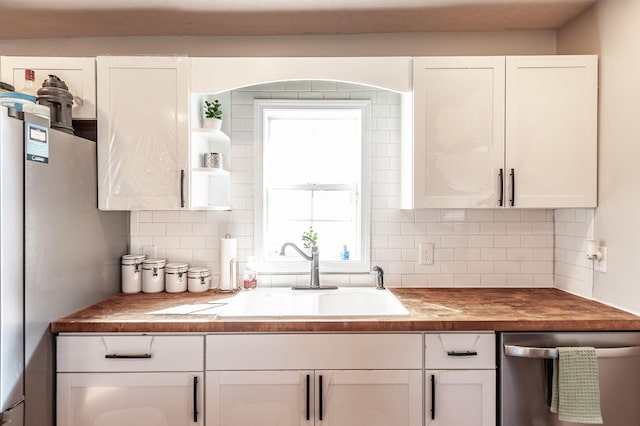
(58, 254)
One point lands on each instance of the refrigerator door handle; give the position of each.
(5, 417)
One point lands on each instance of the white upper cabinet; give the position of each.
(214, 75)
(493, 132)
(143, 133)
(79, 74)
(458, 131)
(551, 130)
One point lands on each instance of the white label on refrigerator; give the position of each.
(37, 143)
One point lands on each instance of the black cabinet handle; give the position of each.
(320, 397)
(127, 356)
(501, 188)
(461, 353)
(308, 397)
(433, 397)
(195, 399)
(513, 188)
(182, 188)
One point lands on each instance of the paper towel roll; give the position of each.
(228, 251)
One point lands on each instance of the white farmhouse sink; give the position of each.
(287, 303)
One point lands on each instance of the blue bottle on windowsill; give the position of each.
(345, 253)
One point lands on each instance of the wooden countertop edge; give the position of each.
(215, 326)
(452, 309)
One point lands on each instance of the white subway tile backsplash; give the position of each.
(507, 215)
(490, 254)
(519, 228)
(467, 254)
(481, 215)
(507, 241)
(147, 228)
(472, 247)
(466, 228)
(520, 254)
(178, 229)
(454, 241)
(427, 215)
(166, 216)
(494, 228)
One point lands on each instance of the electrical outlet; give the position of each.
(426, 254)
(601, 265)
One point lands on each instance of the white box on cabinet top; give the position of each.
(493, 132)
(143, 133)
(79, 74)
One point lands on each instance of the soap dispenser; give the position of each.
(345, 253)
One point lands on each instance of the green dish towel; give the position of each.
(575, 389)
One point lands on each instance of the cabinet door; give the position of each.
(458, 132)
(460, 398)
(371, 398)
(265, 398)
(129, 399)
(143, 133)
(551, 130)
(79, 74)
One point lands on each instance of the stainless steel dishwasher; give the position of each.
(525, 365)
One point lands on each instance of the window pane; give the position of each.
(312, 174)
(334, 205)
(283, 205)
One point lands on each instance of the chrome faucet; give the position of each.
(314, 282)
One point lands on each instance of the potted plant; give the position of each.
(309, 235)
(212, 115)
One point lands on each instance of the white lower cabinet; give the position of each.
(460, 379)
(369, 398)
(130, 399)
(349, 379)
(130, 380)
(283, 398)
(327, 397)
(460, 397)
(283, 379)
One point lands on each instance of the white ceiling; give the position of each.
(104, 18)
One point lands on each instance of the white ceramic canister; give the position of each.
(199, 279)
(132, 273)
(153, 275)
(175, 280)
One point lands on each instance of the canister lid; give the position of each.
(154, 263)
(133, 259)
(172, 268)
(198, 271)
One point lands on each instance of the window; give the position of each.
(312, 170)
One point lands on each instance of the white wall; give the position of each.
(610, 28)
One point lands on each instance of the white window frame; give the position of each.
(302, 266)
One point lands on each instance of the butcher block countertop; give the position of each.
(441, 309)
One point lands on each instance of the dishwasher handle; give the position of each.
(552, 353)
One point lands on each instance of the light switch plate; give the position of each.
(601, 265)
(425, 254)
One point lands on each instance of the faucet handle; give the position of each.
(380, 285)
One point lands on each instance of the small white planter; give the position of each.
(211, 123)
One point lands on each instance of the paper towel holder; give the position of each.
(234, 270)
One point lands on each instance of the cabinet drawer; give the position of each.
(130, 353)
(460, 351)
(314, 351)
